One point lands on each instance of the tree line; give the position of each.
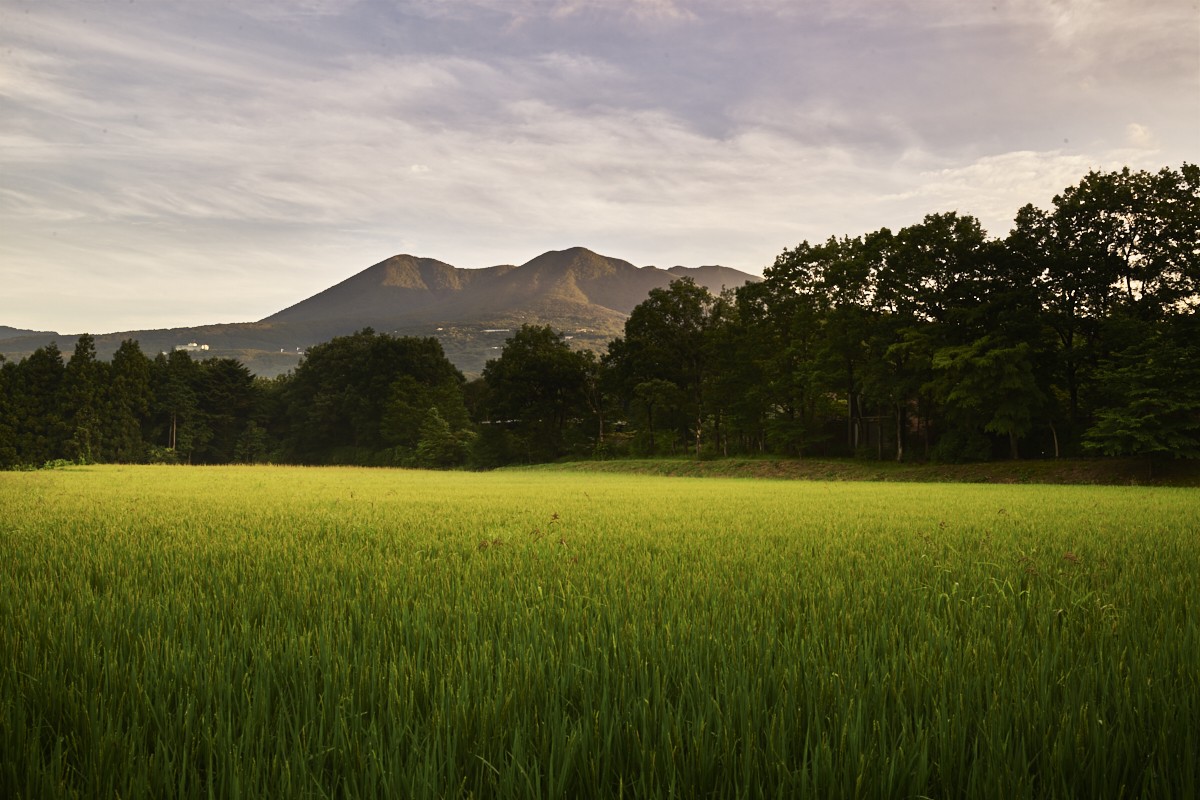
(1076, 334)
(362, 399)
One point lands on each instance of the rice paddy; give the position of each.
(288, 632)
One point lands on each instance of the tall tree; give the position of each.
(1138, 232)
(927, 269)
(128, 407)
(991, 384)
(1118, 244)
(411, 397)
(1151, 404)
(536, 386)
(655, 397)
(84, 383)
(179, 423)
(785, 316)
(439, 446)
(41, 430)
(8, 414)
(595, 397)
(362, 398)
(227, 400)
(665, 339)
(848, 281)
(734, 380)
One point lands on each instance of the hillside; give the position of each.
(471, 311)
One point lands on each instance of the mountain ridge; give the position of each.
(582, 293)
(10, 333)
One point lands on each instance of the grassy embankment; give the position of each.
(286, 632)
(1093, 472)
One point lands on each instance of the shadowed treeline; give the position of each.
(1076, 334)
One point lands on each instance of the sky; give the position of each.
(171, 163)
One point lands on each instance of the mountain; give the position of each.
(561, 283)
(586, 295)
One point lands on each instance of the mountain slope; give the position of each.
(400, 285)
(714, 278)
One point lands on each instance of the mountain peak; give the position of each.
(578, 263)
(410, 272)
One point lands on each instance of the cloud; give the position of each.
(1140, 136)
(994, 187)
(526, 10)
(276, 10)
(273, 153)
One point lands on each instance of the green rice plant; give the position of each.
(291, 632)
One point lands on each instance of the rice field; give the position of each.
(241, 632)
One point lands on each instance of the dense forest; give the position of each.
(1077, 334)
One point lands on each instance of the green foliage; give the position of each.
(62, 463)
(991, 385)
(535, 389)
(157, 454)
(254, 446)
(409, 403)
(180, 423)
(440, 447)
(129, 400)
(227, 398)
(356, 399)
(495, 446)
(962, 446)
(1153, 397)
(665, 342)
(1117, 244)
(84, 382)
(658, 395)
(9, 457)
(41, 431)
